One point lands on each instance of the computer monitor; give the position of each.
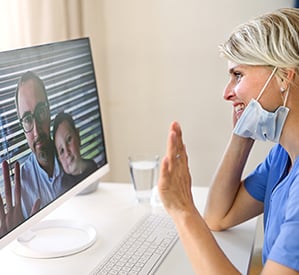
(65, 71)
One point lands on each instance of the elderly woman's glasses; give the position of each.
(40, 114)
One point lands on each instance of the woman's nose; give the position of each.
(228, 93)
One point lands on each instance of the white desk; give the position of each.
(113, 211)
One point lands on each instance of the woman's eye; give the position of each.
(237, 75)
(61, 151)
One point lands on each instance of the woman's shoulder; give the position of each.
(277, 151)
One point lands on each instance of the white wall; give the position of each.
(157, 61)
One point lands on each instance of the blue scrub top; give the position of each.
(271, 184)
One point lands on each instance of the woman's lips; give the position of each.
(239, 110)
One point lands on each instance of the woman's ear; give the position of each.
(291, 73)
(288, 77)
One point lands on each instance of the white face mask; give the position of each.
(259, 124)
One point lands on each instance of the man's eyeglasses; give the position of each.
(41, 113)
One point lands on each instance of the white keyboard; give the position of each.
(143, 249)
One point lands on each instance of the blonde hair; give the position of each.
(268, 40)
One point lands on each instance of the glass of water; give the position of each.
(144, 175)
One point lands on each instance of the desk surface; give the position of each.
(112, 210)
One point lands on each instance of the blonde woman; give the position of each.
(263, 63)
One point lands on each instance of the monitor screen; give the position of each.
(51, 133)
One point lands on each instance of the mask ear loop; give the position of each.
(286, 96)
(266, 84)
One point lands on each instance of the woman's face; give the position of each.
(67, 142)
(246, 82)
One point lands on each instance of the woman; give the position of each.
(67, 142)
(263, 63)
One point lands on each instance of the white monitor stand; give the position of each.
(55, 238)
